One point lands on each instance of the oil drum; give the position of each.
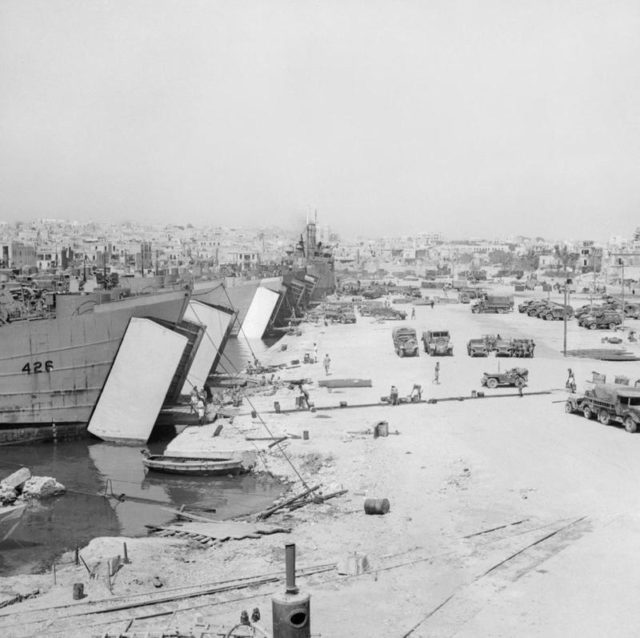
(376, 505)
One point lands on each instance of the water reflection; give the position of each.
(90, 469)
(133, 499)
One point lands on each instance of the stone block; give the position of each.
(17, 479)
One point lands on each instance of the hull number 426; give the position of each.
(38, 366)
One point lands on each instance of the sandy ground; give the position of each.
(508, 516)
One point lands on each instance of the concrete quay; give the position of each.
(507, 516)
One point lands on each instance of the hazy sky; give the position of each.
(482, 116)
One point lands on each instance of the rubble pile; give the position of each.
(21, 486)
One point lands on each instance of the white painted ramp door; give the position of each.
(216, 322)
(137, 383)
(255, 323)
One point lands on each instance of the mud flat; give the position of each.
(507, 516)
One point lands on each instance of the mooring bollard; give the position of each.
(291, 610)
(254, 414)
(343, 404)
(305, 435)
(276, 406)
(78, 591)
(376, 506)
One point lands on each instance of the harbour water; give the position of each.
(109, 493)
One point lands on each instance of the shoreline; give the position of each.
(470, 483)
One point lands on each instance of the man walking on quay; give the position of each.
(413, 312)
(436, 373)
(327, 364)
(571, 382)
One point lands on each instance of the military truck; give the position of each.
(503, 347)
(556, 311)
(437, 343)
(477, 348)
(609, 403)
(607, 319)
(494, 303)
(515, 377)
(405, 342)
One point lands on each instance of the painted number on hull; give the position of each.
(38, 366)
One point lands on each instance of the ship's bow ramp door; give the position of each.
(260, 311)
(138, 382)
(217, 322)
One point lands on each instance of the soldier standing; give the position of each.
(327, 364)
(436, 373)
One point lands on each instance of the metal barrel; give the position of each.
(376, 505)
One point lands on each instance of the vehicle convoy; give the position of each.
(494, 303)
(477, 348)
(405, 342)
(517, 377)
(609, 403)
(437, 343)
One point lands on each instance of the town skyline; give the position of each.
(390, 117)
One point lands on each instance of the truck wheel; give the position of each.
(586, 412)
(612, 326)
(546, 317)
(492, 383)
(568, 407)
(401, 353)
(603, 417)
(592, 326)
(630, 425)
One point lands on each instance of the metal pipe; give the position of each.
(290, 562)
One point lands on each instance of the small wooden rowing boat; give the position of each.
(192, 466)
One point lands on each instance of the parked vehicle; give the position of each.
(524, 306)
(494, 303)
(517, 377)
(632, 311)
(607, 319)
(405, 342)
(503, 348)
(477, 348)
(538, 307)
(437, 343)
(556, 312)
(608, 403)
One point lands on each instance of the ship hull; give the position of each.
(53, 370)
(234, 294)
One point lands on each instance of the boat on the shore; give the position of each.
(193, 466)
(10, 516)
(55, 362)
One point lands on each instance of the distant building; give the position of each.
(22, 255)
